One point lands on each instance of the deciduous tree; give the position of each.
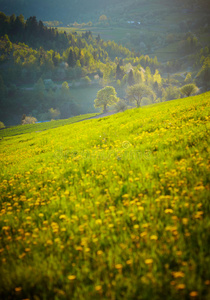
(189, 89)
(136, 92)
(106, 97)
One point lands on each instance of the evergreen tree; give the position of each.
(98, 38)
(131, 80)
(32, 26)
(19, 26)
(71, 59)
(12, 20)
(119, 72)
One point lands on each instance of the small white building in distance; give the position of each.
(133, 22)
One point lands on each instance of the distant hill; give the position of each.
(82, 10)
(64, 10)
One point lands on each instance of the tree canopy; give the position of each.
(106, 97)
(136, 92)
(189, 89)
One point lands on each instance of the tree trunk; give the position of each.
(138, 102)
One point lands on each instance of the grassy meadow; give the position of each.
(110, 208)
(38, 127)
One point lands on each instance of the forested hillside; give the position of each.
(33, 54)
(49, 73)
(82, 10)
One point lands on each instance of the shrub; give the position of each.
(28, 120)
(121, 105)
(189, 89)
(2, 125)
(86, 80)
(54, 113)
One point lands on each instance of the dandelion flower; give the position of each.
(98, 222)
(148, 261)
(178, 274)
(193, 294)
(71, 277)
(180, 286)
(98, 288)
(153, 237)
(168, 211)
(119, 266)
(99, 252)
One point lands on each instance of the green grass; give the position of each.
(112, 208)
(38, 127)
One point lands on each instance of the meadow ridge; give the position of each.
(109, 208)
(37, 127)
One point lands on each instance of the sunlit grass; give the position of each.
(29, 128)
(113, 208)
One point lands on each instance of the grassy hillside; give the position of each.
(38, 127)
(113, 208)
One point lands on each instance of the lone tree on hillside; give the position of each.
(106, 97)
(136, 92)
(103, 18)
(189, 89)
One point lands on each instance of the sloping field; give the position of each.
(112, 208)
(29, 128)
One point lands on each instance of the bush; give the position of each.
(54, 113)
(86, 81)
(146, 101)
(189, 89)
(2, 125)
(121, 105)
(28, 120)
(170, 93)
